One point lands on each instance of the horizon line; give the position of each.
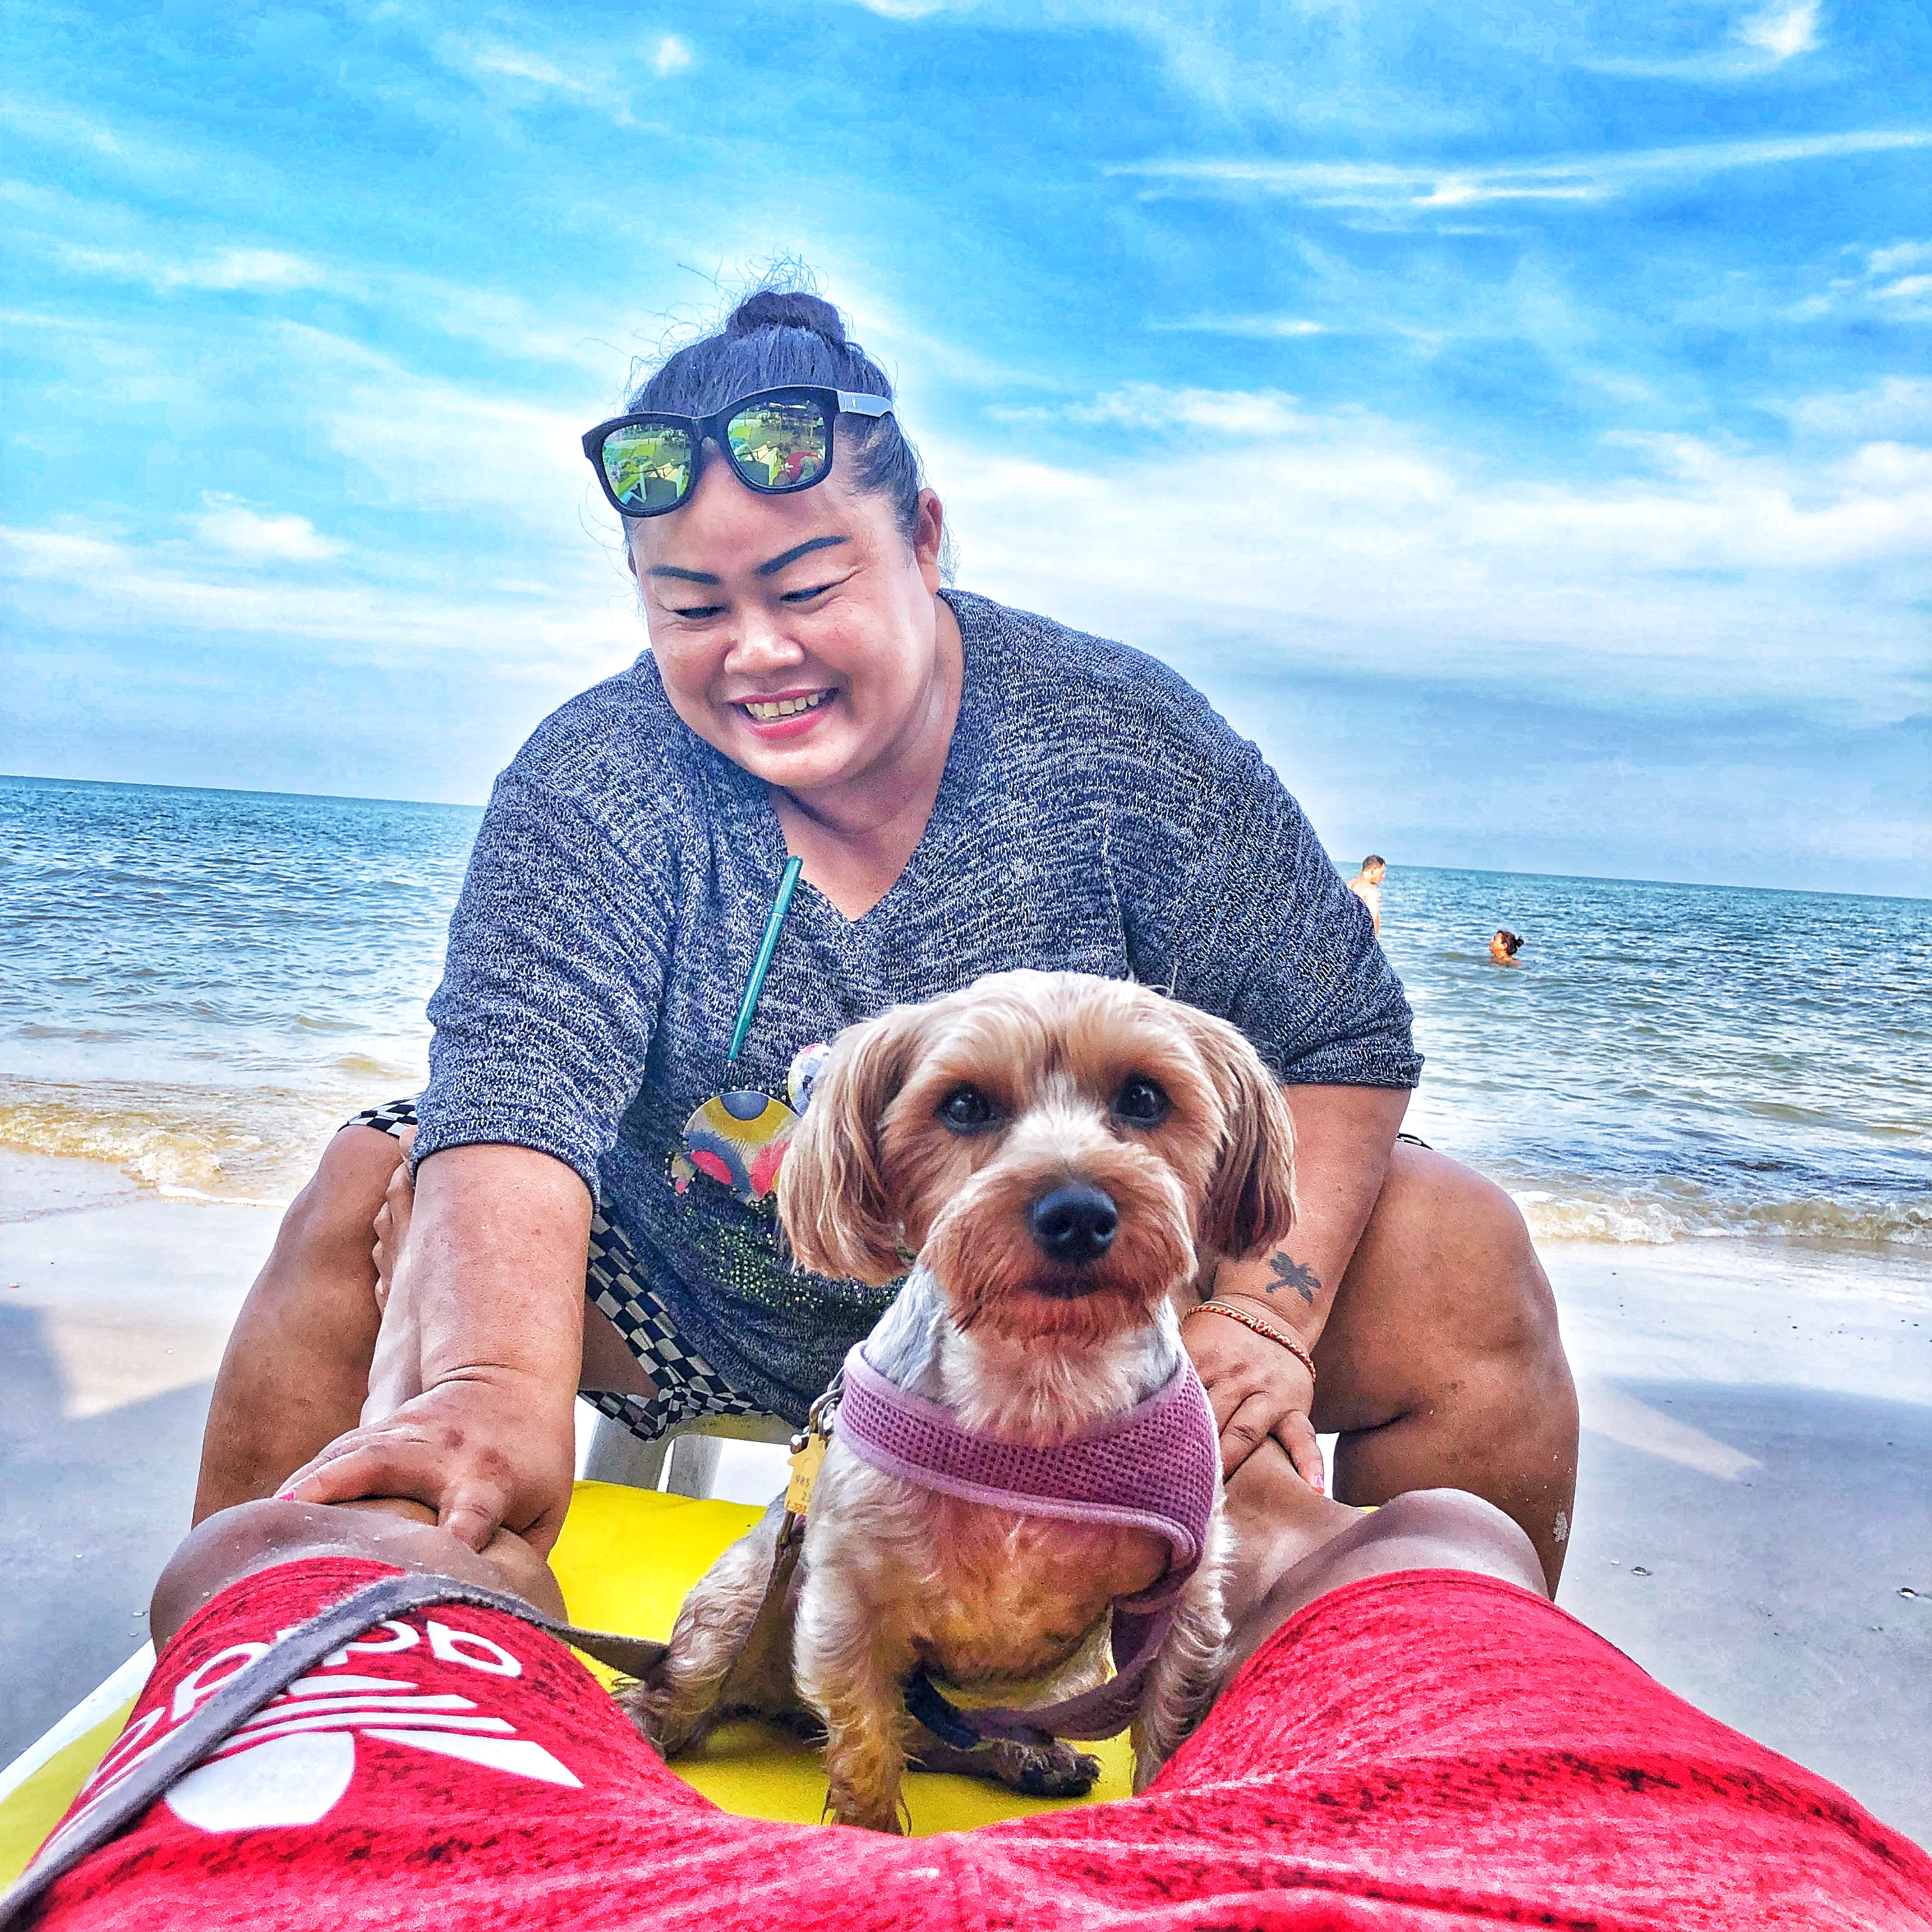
(1495, 871)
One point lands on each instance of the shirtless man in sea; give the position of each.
(1366, 885)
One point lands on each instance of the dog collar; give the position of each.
(1155, 1467)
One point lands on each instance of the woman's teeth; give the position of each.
(767, 712)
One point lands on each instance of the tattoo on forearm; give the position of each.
(1289, 1273)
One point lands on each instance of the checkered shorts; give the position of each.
(687, 1387)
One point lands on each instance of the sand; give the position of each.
(1753, 1517)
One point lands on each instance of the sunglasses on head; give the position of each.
(777, 441)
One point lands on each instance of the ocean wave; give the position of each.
(1642, 1219)
(257, 1146)
(187, 1144)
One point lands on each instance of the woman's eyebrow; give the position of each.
(792, 556)
(771, 569)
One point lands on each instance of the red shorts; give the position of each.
(1430, 1749)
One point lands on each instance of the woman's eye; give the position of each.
(966, 1110)
(1142, 1103)
(804, 596)
(697, 612)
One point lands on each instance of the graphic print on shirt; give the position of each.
(290, 1763)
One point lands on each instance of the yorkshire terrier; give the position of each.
(1056, 1153)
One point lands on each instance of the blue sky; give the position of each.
(1518, 418)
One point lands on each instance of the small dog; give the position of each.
(1056, 1151)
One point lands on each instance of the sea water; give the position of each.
(201, 985)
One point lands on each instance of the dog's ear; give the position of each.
(1251, 1199)
(832, 1196)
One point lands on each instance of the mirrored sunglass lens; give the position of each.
(649, 467)
(779, 446)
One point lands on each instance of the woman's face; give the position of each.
(799, 635)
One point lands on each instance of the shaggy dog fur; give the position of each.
(937, 1132)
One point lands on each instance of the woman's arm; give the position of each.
(481, 1339)
(1342, 1141)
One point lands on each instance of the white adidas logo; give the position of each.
(290, 1762)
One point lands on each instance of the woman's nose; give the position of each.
(761, 644)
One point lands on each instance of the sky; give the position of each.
(1517, 418)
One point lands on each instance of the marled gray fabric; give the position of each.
(1096, 816)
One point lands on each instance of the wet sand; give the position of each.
(1753, 1504)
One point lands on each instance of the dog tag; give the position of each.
(805, 1463)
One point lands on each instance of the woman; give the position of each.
(1504, 946)
(967, 788)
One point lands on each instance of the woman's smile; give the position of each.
(784, 715)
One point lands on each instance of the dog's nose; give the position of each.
(1074, 1224)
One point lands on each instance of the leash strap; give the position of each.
(259, 1684)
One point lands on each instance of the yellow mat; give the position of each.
(626, 1559)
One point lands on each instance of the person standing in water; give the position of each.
(1366, 885)
(1504, 947)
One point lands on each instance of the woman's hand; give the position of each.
(1258, 1390)
(479, 1451)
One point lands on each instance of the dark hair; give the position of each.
(1512, 945)
(1373, 859)
(776, 336)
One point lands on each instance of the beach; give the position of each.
(1752, 1512)
(1713, 1106)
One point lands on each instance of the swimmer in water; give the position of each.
(1366, 885)
(1504, 947)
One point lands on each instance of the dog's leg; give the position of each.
(1056, 1769)
(709, 1669)
(1187, 1671)
(850, 1661)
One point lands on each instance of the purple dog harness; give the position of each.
(1155, 1467)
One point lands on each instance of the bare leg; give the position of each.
(256, 1536)
(296, 1373)
(1428, 1529)
(297, 1365)
(1441, 1363)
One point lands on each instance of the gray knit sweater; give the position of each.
(1095, 816)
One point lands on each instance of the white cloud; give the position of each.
(494, 57)
(1760, 44)
(1892, 297)
(1265, 327)
(229, 525)
(273, 271)
(1896, 406)
(1782, 31)
(1905, 255)
(100, 585)
(1246, 530)
(1591, 177)
(672, 54)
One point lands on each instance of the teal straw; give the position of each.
(767, 945)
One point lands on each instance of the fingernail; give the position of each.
(285, 1496)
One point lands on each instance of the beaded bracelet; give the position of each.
(1259, 1325)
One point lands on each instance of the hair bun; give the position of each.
(786, 308)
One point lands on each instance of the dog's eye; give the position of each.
(1141, 1104)
(968, 1110)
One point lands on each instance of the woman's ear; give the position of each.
(1250, 1205)
(832, 1201)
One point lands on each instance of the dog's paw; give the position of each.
(807, 1727)
(1052, 1771)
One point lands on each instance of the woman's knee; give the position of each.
(1444, 1298)
(335, 1214)
(1461, 1245)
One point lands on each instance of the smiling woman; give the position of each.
(967, 789)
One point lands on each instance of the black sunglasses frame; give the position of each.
(701, 430)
